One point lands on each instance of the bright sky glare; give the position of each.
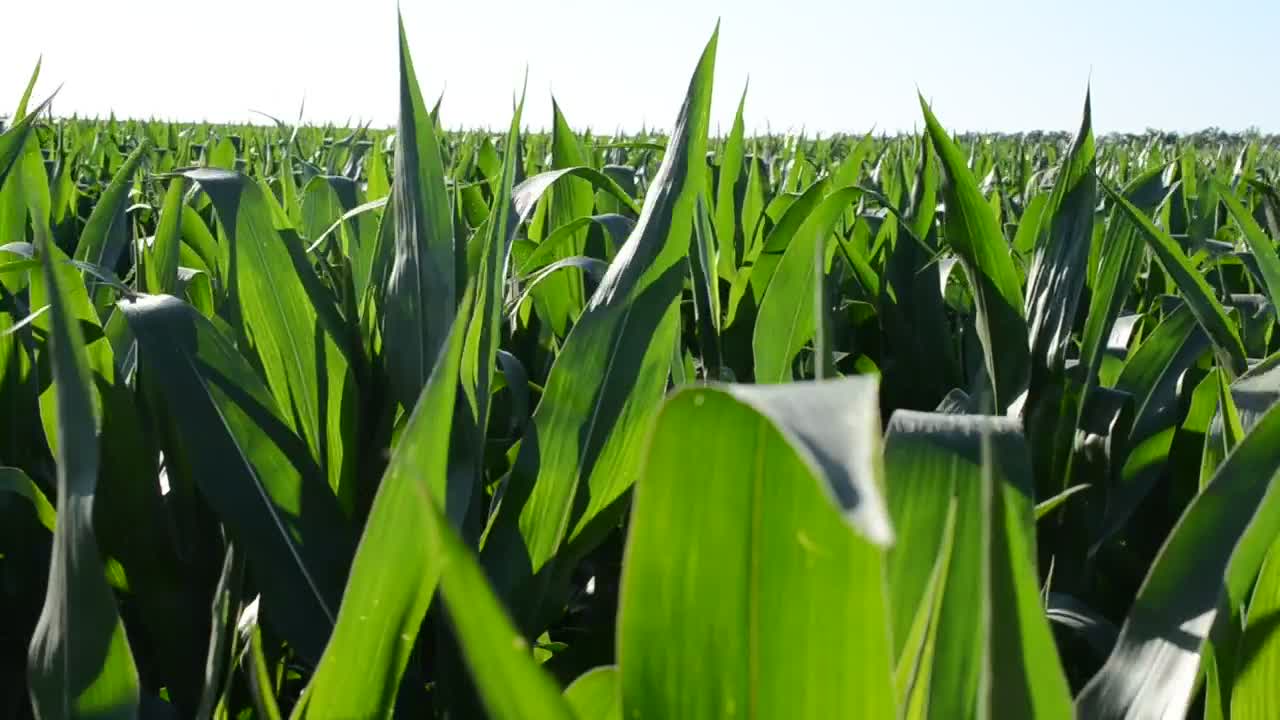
(821, 65)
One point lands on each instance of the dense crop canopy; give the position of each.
(325, 422)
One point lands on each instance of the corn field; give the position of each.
(325, 422)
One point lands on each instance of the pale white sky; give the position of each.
(825, 65)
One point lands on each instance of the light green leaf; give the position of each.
(596, 694)
(787, 510)
(786, 321)
(993, 654)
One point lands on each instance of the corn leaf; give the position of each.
(79, 662)
(579, 455)
(798, 526)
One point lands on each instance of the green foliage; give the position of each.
(325, 422)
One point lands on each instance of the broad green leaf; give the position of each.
(590, 266)
(421, 286)
(223, 635)
(1212, 554)
(14, 140)
(222, 155)
(920, 500)
(919, 350)
(993, 654)
(1059, 268)
(1235, 410)
(196, 236)
(129, 523)
(850, 170)
(31, 86)
(1024, 240)
(325, 200)
(258, 674)
(379, 185)
(1232, 429)
(249, 465)
(545, 252)
(79, 663)
(753, 205)
(305, 359)
(528, 192)
(580, 453)
(786, 320)
(766, 257)
(973, 232)
(19, 152)
(706, 290)
(787, 510)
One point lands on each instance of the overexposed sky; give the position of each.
(822, 65)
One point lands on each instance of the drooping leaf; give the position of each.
(14, 480)
(798, 529)
(249, 465)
